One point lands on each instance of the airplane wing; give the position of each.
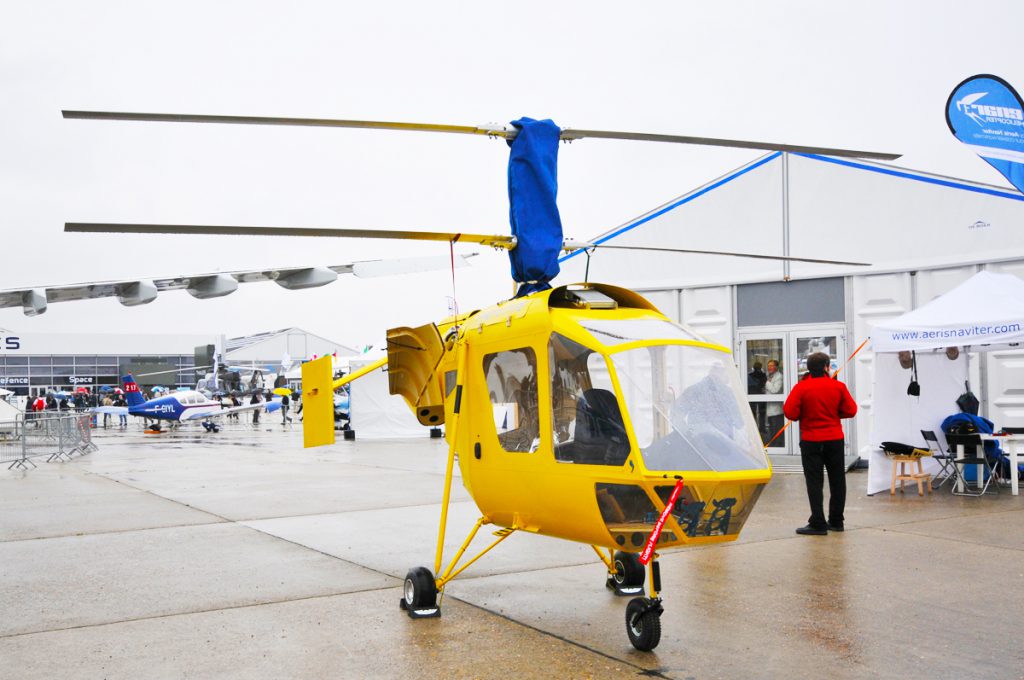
(186, 417)
(132, 292)
(112, 410)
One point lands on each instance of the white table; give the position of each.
(1013, 447)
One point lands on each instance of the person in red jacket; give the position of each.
(819, 402)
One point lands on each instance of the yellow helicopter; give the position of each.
(579, 412)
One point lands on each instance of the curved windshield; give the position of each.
(687, 408)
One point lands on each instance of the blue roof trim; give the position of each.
(917, 178)
(682, 201)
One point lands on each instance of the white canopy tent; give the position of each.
(985, 312)
(375, 412)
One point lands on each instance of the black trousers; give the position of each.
(827, 455)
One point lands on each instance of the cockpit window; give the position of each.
(585, 416)
(512, 383)
(618, 331)
(687, 409)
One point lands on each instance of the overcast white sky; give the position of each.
(870, 75)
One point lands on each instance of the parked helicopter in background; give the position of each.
(579, 412)
(236, 380)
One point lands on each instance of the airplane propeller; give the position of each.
(507, 132)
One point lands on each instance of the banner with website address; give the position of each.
(986, 113)
(890, 339)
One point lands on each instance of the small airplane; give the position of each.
(180, 407)
(579, 412)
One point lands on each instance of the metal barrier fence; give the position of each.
(58, 437)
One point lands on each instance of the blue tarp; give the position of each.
(966, 423)
(533, 212)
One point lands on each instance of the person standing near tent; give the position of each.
(256, 399)
(122, 418)
(285, 403)
(774, 384)
(819, 402)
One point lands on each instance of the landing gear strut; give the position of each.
(643, 614)
(626, 576)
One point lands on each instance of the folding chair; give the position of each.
(971, 442)
(947, 470)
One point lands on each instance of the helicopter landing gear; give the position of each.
(419, 594)
(643, 614)
(628, 577)
(643, 622)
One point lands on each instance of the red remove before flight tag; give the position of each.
(652, 540)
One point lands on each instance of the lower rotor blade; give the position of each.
(493, 240)
(756, 256)
(570, 134)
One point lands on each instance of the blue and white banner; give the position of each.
(986, 113)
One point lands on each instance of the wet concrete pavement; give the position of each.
(242, 555)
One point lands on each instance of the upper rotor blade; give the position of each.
(504, 131)
(493, 240)
(757, 256)
(272, 120)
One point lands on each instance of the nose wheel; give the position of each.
(643, 622)
(626, 576)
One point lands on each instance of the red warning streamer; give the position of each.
(652, 540)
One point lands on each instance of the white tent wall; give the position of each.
(297, 343)
(8, 411)
(1004, 372)
(899, 417)
(895, 219)
(739, 212)
(375, 412)
(892, 218)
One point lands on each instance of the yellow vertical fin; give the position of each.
(317, 402)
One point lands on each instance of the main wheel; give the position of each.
(629, 572)
(643, 623)
(420, 591)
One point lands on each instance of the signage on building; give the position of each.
(10, 342)
(81, 380)
(13, 380)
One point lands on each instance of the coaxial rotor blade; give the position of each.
(757, 256)
(493, 240)
(490, 130)
(272, 120)
(570, 134)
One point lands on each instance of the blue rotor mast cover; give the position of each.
(986, 113)
(533, 211)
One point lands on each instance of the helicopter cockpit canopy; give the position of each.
(687, 409)
(685, 404)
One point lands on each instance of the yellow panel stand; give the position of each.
(317, 402)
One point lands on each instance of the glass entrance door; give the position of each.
(775, 359)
